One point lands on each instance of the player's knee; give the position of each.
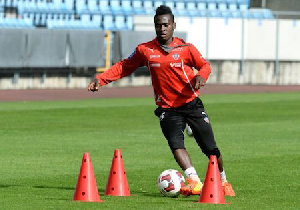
(215, 152)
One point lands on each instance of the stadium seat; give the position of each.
(108, 23)
(115, 6)
(120, 23)
(92, 6)
(129, 22)
(243, 7)
(85, 17)
(30, 6)
(72, 24)
(171, 4)
(16, 23)
(104, 7)
(149, 7)
(211, 5)
(81, 7)
(97, 19)
(69, 6)
(127, 8)
(180, 9)
(158, 3)
(191, 8)
(222, 5)
(201, 5)
(138, 8)
(42, 6)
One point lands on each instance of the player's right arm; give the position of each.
(118, 70)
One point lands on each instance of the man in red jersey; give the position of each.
(171, 62)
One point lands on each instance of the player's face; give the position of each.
(164, 27)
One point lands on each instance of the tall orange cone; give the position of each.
(117, 183)
(212, 191)
(86, 188)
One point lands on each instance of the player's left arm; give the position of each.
(202, 65)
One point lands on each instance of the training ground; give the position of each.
(44, 133)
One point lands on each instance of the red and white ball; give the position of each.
(169, 182)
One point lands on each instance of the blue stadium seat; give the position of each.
(158, 3)
(69, 6)
(30, 6)
(72, 24)
(191, 8)
(201, 5)
(104, 7)
(149, 7)
(16, 23)
(171, 4)
(120, 23)
(129, 22)
(42, 6)
(138, 8)
(211, 5)
(85, 17)
(92, 6)
(222, 5)
(232, 5)
(180, 9)
(116, 7)
(243, 7)
(97, 19)
(81, 6)
(108, 23)
(127, 7)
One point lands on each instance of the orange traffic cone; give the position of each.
(86, 189)
(117, 183)
(212, 191)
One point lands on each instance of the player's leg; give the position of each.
(172, 125)
(204, 136)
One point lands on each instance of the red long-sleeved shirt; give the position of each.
(171, 70)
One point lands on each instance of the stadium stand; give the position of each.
(115, 14)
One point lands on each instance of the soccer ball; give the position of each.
(189, 131)
(169, 182)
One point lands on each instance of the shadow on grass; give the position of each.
(158, 195)
(6, 185)
(54, 187)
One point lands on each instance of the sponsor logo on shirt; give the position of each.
(175, 64)
(178, 49)
(154, 56)
(150, 49)
(154, 64)
(176, 56)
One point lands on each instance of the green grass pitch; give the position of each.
(42, 144)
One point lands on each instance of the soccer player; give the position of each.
(170, 61)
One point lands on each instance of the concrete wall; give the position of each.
(223, 72)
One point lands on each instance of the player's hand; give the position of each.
(200, 81)
(94, 86)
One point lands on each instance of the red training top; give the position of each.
(171, 69)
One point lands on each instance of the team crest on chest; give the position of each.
(176, 56)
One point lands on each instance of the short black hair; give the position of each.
(163, 10)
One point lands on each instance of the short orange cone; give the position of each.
(117, 183)
(86, 188)
(212, 191)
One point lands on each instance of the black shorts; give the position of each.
(173, 122)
